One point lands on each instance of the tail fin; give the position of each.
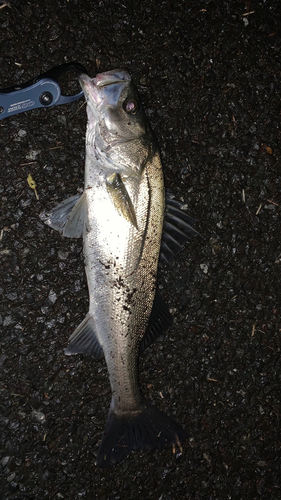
(147, 429)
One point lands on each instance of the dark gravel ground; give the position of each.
(209, 76)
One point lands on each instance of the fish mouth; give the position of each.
(112, 77)
(104, 87)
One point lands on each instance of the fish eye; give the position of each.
(131, 106)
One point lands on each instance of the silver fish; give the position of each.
(120, 216)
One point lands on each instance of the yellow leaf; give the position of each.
(32, 184)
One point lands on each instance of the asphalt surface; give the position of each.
(209, 76)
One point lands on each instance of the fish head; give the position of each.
(117, 130)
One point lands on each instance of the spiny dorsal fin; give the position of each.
(177, 229)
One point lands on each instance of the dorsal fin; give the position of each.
(159, 321)
(177, 229)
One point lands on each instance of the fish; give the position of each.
(128, 225)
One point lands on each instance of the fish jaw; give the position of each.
(104, 88)
(113, 76)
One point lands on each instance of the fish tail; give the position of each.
(146, 429)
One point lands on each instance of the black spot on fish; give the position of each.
(106, 266)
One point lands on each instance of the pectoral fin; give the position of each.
(58, 217)
(74, 227)
(68, 217)
(120, 198)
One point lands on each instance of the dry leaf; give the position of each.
(32, 184)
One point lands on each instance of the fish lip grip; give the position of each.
(40, 92)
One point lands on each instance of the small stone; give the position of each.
(5, 460)
(38, 416)
(204, 268)
(52, 297)
(11, 477)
